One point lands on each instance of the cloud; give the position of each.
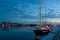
(50, 11)
(28, 9)
(53, 20)
(29, 21)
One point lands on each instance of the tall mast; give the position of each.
(45, 12)
(40, 15)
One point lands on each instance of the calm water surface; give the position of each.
(25, 33)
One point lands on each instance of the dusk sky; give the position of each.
(27, 11)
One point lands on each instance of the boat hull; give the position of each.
(41, 32)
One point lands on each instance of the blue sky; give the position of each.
(27, 11)
(52, 10)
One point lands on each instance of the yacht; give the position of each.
(44, 28)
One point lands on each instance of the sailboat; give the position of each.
(44, 28)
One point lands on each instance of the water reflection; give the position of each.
(26, 32)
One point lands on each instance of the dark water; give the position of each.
(24, 33)
(17, 34)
